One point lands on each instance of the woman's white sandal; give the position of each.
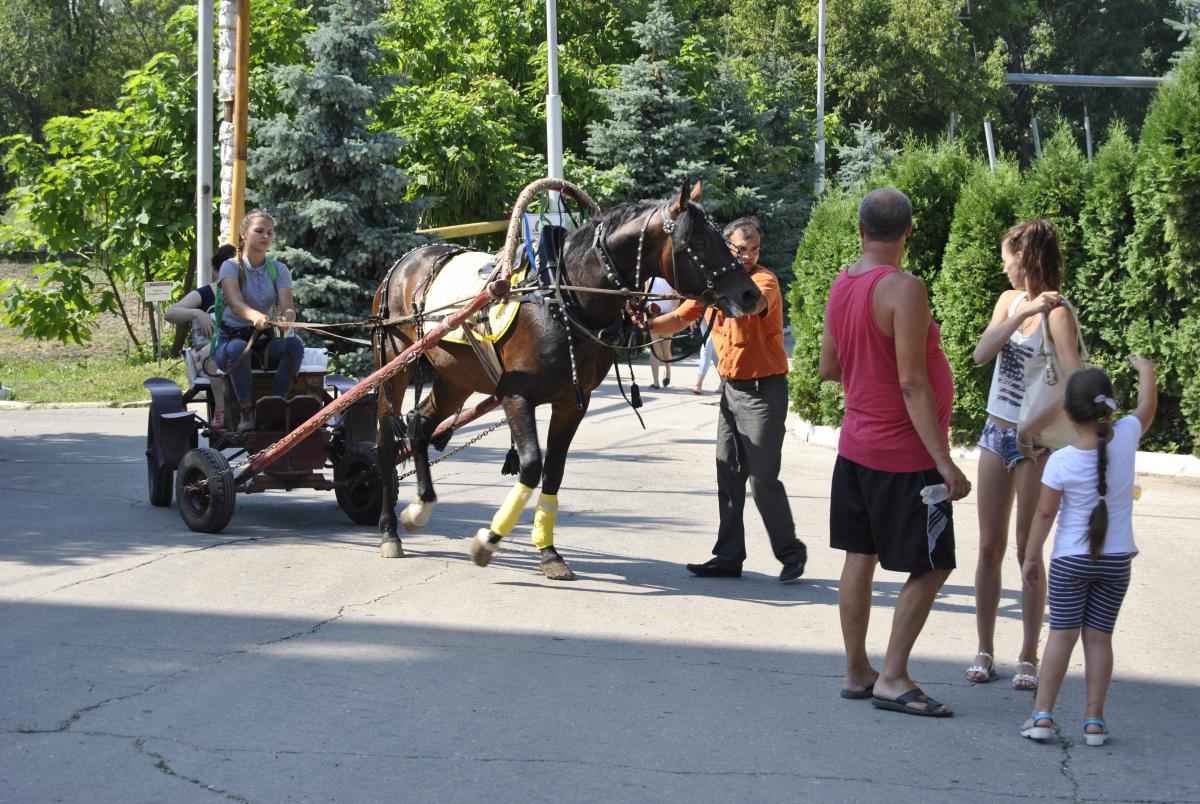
(983, 674)
(1040, 733)
(1025, 682)
(1095, 737)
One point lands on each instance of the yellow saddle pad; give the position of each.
(458, 282)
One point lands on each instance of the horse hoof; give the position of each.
(416, 515)
(390, 548)
(482, 548)
(557, 570)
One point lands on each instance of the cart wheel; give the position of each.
(204, 490)
(362, 496)
(158, 478)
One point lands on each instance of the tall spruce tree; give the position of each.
(762, 156)
(653, 129)
(333, 184)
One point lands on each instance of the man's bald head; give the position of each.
(885, 215)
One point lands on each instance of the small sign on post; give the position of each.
(156, 293)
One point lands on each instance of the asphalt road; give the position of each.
(285, 661)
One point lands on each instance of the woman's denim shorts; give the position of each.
(1002, 441)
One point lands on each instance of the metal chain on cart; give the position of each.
(459, 449)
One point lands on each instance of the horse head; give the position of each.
(700, 265)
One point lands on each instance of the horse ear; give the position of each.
(697, 190)
(678, 201)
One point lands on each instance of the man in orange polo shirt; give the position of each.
(751, 427)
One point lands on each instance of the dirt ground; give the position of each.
(109, 336)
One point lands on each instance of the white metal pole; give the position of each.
(1037, 137)
(1087, 130)
(204, 142)
(991, 144)
(819, 185)
(953, 124)
(554, 154)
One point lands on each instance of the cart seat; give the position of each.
(191, 364)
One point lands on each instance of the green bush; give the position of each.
(1161, 292)
(1106, 223)
(830, 243)
(932, 177)
(971, 278)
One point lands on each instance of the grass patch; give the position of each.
(93, 379)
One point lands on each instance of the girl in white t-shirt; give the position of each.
(1089, 487)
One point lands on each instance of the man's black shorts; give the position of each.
(881, 513)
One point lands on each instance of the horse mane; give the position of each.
(613, 218)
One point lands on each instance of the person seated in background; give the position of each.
(196, 308)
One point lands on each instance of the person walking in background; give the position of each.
(1008, 466)
(752, 420)
(882, 344)
(660, 349)
(707, 353)
(1089, 487)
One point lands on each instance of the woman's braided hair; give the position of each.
(1041, 259)
(1089, 394)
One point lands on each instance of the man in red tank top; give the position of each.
(882, 344)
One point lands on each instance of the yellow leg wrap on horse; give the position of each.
(543, 521)
(506, 518)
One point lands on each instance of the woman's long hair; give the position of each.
(1041, 259)
(1090, 399)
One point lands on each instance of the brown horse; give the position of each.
(555, 353)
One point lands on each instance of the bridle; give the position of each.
(707, 275)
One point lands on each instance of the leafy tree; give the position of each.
(110, 194)
(762, 166)
(971, 278)
(654, 129)
(334, 183)
(60, 57)
(906, 64)
(1075, 37)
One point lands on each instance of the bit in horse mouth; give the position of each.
(722, 303)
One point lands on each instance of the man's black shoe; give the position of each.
(714, 569)
(791, 572)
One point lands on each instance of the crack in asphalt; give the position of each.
(1064, 766)
(217, 658)
(162, 766)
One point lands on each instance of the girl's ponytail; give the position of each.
(1098, 521)
(1089, 399)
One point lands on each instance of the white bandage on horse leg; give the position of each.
(506, 518)
(416, 514)
(543, 521)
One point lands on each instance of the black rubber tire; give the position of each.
(204, 490)
(362, 501)
(159, 479)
